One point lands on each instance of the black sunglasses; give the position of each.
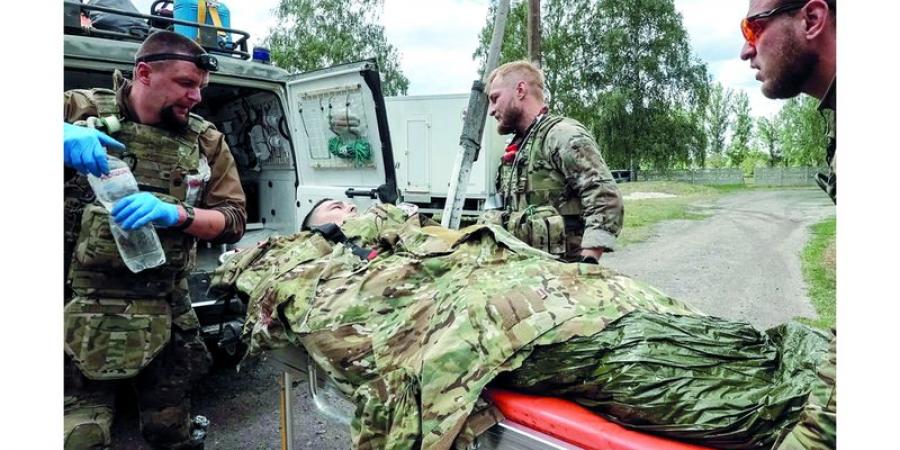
(787, 7)
(203, 61)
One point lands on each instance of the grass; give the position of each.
(819, 268)
(641, 215)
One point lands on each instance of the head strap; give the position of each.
(204, 61)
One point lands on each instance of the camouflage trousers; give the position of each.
(698, 379)
(162, 388)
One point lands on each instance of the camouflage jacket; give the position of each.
(560, 164)
(414, 335)
(828, 108)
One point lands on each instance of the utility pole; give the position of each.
(534, 32)
(473, 127)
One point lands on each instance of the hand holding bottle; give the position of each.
(141, 208)
(84, 149)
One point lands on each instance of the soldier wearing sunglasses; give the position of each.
(791, 44)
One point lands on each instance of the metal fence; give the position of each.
(695, 176)
(786, 176)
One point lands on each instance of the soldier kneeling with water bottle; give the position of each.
(128, 315)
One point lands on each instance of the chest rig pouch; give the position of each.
(531, 187)
(541, 227)
(118, 321)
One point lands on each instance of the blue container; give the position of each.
(188, 10)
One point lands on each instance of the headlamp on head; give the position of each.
(204, 61)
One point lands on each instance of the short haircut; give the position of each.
(169, 42)
(305, 225)
(832, 4)
(520, 70)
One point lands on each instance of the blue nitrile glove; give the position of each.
(140, 208)
(83, 149)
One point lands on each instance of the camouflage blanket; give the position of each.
(413, 336)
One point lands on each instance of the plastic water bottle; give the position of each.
(139, 248)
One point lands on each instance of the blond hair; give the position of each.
(520, 71)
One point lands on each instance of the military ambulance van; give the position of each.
(278, 127)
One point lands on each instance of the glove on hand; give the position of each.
(83, 149)
(140, 208)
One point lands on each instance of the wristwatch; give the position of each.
(187, 220)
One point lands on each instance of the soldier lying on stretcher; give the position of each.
(412, 321)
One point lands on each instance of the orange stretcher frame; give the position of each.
(575, 424)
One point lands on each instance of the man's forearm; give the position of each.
(208, 224)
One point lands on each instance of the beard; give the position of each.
(790, 73)
(507, 123)
(172, 121)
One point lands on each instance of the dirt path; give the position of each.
(741, 263)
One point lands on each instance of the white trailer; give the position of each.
(425, 133)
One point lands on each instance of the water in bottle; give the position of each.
(139, 248)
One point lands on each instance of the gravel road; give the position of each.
(740, 263)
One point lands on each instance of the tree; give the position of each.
(742, 134)
(717, 121)
(769, 136)
(314, 34)
(624, 70)
(802, 132)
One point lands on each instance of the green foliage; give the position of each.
(751, 161)
(314, 34)
(624, 70)
(717, 122)
(768, 135)
(820, 269)
(742, 133)
(802, 132)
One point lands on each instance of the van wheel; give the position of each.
(228, 350)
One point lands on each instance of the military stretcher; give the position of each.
(530, 422)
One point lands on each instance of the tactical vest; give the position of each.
(116, 320)
(539, 203)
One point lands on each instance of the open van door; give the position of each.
(340, 136)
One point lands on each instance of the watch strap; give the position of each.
(189, 210)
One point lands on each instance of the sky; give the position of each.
(436, 40)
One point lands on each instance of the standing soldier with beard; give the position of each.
(140, 326)
(792, 46)
(558, 195)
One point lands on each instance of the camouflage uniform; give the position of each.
(139, 327)
(558, 194)
(413, 336)
(818, 423)
(828, 108)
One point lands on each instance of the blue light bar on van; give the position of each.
(261, 54)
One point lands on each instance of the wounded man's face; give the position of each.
(331, 211)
